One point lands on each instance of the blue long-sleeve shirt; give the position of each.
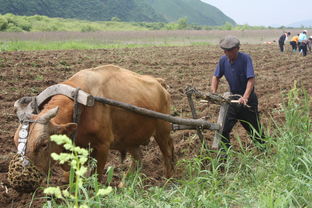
(236, 73)
(302, 37)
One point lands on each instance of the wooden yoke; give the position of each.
(25, 106)
(83, 97)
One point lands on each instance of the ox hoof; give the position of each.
(121, 185)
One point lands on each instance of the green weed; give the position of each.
(82, 191)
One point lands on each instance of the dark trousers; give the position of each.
(303, 48)
(249, 119)
(281, 46)
(293, 45)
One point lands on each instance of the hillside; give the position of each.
(304, 23)
(131, 10)
(196, 11)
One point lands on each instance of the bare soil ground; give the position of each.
(28, 73)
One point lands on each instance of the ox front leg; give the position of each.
(65, 170)
(101, 154)
(165, 144)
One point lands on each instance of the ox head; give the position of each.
(39, 127)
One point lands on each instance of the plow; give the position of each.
(32, 105)
(26, 106)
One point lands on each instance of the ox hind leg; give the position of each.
(165, 143)
(136, 156)
(136, 163)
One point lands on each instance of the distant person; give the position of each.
(294, 42)
(310, 43)
(303, 42)
(238, 70)
(281, 41)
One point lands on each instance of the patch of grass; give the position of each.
(39, 77)
(81, 45)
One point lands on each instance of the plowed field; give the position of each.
(28, 73)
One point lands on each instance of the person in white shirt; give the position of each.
(281, 41)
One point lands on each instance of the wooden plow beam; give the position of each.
(182, 123)
(143, 111)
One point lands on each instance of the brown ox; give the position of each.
(104, 126)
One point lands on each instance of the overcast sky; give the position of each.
(264, 12)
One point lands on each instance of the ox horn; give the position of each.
(23, 107)
(49, 115)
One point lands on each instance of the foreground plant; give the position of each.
(77, 193)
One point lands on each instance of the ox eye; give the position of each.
(44, 146)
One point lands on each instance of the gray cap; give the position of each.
(229, 42)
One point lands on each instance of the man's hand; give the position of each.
(243, 100)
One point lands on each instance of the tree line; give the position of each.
(14, 23)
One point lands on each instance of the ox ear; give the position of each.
(67, 129)
(49, 115)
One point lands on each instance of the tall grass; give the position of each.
(281, 176)
(82, 45)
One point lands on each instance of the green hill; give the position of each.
(132, 10)
(195, 11)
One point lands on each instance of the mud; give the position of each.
(28, 73)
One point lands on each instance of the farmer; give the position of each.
(294, 42)
(303, 42)
(310, 43)
(281, 41)
(238, 70)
